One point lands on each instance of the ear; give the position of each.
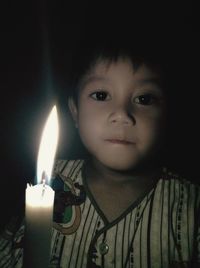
(73, 110)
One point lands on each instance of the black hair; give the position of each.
(138, 52)
(171, 52)
(162, 55)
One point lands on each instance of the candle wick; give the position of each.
(43, 186)
(44, 182)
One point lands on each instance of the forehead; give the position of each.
(121, 69)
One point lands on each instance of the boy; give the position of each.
(132, 213)
(118, 207)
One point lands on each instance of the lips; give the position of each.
(119, 141)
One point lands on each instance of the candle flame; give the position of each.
(48, 145)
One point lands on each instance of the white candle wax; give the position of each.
(39, 213)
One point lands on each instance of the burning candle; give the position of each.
(40, 199)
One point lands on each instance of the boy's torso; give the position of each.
(153, 231)
(158, 230)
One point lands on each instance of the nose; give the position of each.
(122, 116)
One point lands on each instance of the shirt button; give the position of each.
(103, 248)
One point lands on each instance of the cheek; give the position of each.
(89, 123)
(150, 129)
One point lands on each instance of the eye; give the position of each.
(146, 99)
(100, 96)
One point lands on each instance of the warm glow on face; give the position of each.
(48, 146)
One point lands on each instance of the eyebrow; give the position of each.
(96, 78)
(151, 80)
(93, 78)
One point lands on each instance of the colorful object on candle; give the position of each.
(40, 200)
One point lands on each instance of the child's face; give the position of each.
(120, 114)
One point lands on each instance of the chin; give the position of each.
(120, 164)
(128, 162)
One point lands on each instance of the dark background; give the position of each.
(37, 40)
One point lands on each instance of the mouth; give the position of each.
(120, 141)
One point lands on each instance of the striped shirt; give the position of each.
(160, 229)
